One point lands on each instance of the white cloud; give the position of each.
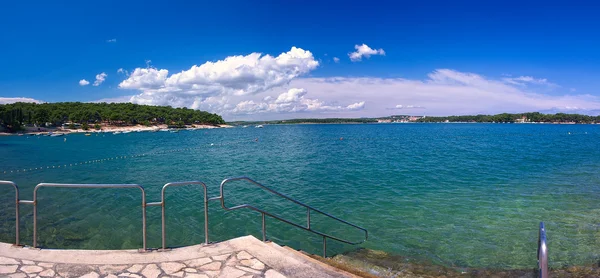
(523, 80)
(257, 86)
(145, 79)
(121, 99)
(233, 76)
(99, 79)
(400, 106)
(356, 106)
(336, 59)
(292, 101)
(293, 95)
(364, 51)
(9, 100)
(83, 82)
(111, 40)
(123, 71)
(445, 92)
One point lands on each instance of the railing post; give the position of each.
(164, 228)
(264, 228)
(144, 220)
(542, 253)
(205, 217)
(324, 247)
(17, 218)
(34, 203)
(17, 221)
(308, 218)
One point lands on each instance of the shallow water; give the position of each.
(464, 195)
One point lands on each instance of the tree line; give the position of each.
(511, 118)
(14, 116)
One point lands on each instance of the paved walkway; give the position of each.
(241, 257)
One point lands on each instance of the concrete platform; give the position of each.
(240, 257)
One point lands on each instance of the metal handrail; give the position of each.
(162, 204)
(308, 210)
(69, 185)
(542, 253)
(14, 185)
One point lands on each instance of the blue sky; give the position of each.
(435, 56)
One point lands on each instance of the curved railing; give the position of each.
(542, 253)
(308, 212)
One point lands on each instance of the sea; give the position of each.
(459, 195)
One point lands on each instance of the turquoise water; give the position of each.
(466, 195)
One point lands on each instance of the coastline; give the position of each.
(109, 128)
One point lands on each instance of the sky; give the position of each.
(255, 60)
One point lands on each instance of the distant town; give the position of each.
(532, 118)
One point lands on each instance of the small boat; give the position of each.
(125, 132)
(56, 134)
(117, 132)
(88, 134)
(163, 129)
(245, 126)
(175, 131)
(259, 126)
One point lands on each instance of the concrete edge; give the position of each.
(288, 262)
(120, 256)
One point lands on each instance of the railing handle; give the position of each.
(264, 227)
(542, 252)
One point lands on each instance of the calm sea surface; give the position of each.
(467, 195)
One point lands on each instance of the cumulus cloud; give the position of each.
(292, 101)
(260, 86)
(336, 59)
(83, 82)
(364, 51)
(111, 40)
(99, 79)
(234, 76)
(9, 100)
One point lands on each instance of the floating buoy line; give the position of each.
(102, 160)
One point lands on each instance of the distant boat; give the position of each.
(125, 132)
(117, 132)
(245, 126)
(175, 131)
(259, 126)
(88, 134)
(163, 129)
(56, 134)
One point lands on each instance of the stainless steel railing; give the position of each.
(308, 212)
(14, 185)
(68, 185)
(162, 203)
(542, 253)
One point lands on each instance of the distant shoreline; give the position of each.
(107, 129)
